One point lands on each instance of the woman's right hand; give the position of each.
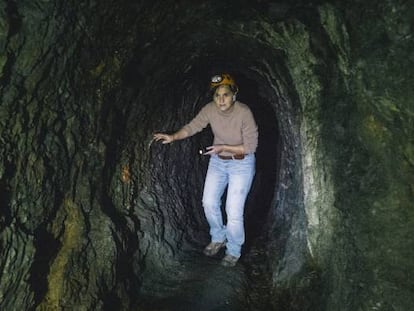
(164, 138)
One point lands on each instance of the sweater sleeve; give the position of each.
(200, 121)
(249, 132)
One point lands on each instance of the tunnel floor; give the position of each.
(197, 282)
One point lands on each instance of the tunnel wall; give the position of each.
(59, 246)
(74, 190)
(304, 201)
(374, 201)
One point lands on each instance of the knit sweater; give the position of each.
(233, 127)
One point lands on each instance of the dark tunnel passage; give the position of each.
(166, 196)
(268, 159)
(178, 175)
(96, 215)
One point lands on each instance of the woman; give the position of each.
(232, 164)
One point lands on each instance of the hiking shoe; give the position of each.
(229, 261)
(213, 248)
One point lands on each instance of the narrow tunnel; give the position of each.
(95, 215)
(177, 173)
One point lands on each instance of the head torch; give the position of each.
(223, 79)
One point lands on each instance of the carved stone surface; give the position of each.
(94, 215)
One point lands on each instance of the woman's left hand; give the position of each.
(215, 149)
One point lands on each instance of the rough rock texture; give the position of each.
(96, 216)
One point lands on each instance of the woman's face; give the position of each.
(223, 98)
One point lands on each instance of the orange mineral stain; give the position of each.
(126, 174)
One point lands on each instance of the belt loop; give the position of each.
(232, 156)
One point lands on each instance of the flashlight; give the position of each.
(202, 150)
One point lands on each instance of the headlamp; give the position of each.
(216, 79)
(223, 79)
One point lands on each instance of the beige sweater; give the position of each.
(234, 127)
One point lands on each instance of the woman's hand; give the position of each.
(215, 149)
(164, 138)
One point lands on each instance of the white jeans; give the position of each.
(238, 175)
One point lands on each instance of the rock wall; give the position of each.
(96, 216)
